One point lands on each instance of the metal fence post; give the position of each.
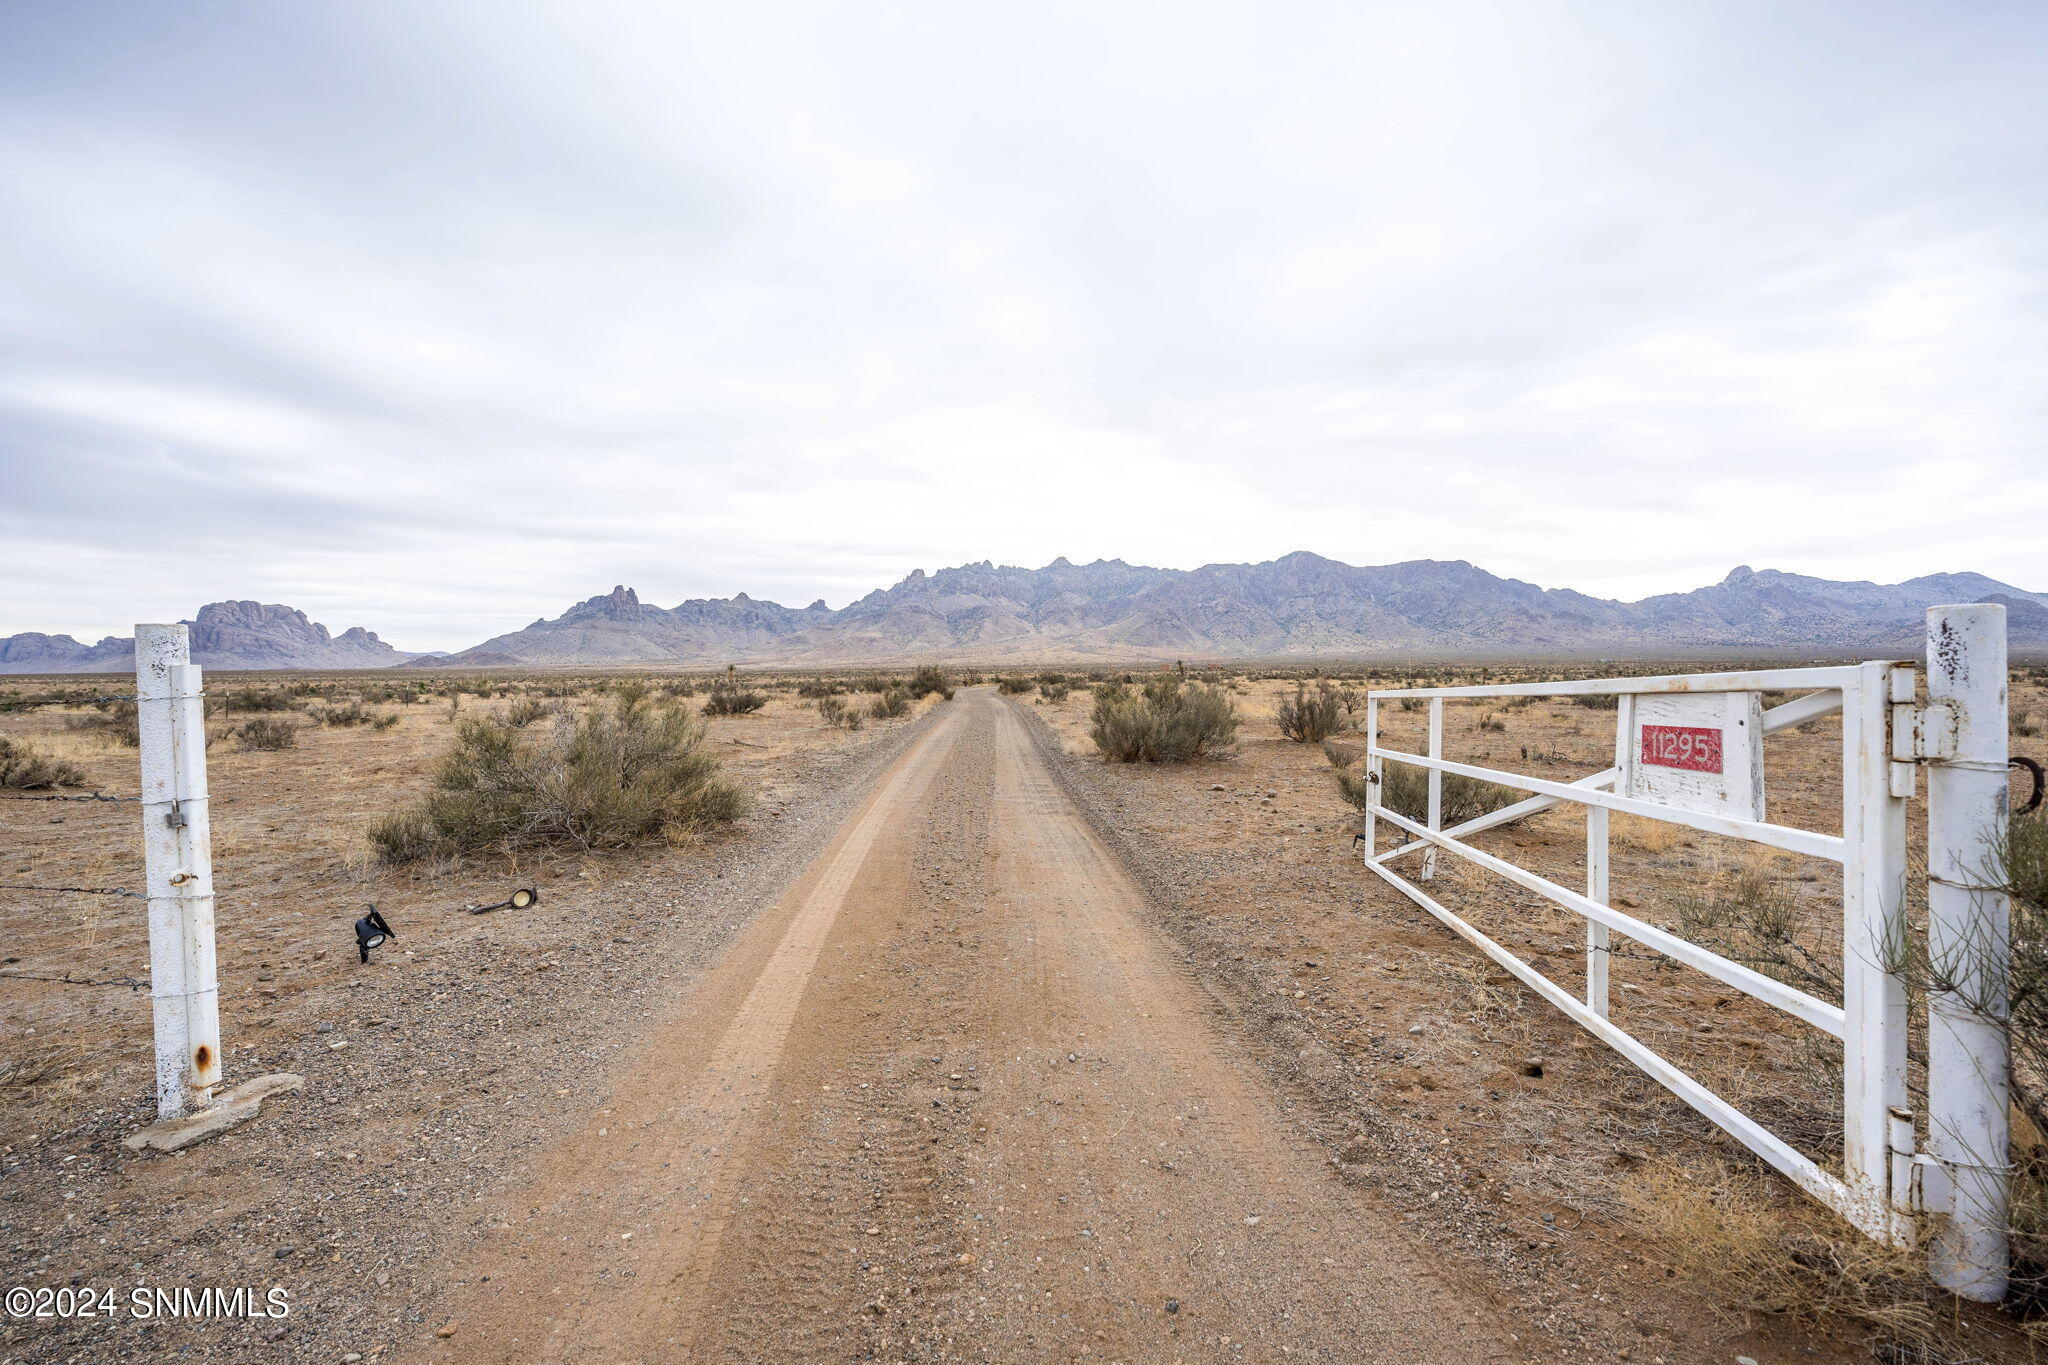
(1372, 778)
(1968, 944)
(1873, 929)
(1436, 783)
(177, 845)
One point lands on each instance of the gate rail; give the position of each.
(1884, 1184)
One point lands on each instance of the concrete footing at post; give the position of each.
(231, 1109)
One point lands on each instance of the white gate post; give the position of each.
(177, 845)
(1873, 926)
(1968, 944)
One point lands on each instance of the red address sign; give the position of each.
(1693, 747)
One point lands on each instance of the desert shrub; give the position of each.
(818, 687)
(616, 776)
(835, 712)
(928, 679)
(268, 732)
(257, 699)
(1055, 691)
(1746, 916)
(115, 720)
(1011, 686)
(733, 701)
(1489, 721)
(892, 703)
(1311, 717)
(1404, 790)
(26, 767)
(1167, 721)
(1597, 701)
(354, 713)
(526, 711)
(1342, 755)
(384, 723)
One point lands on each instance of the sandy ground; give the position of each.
(963, 1046)
(952, 1100)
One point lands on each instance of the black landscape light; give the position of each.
(371, 931)
(518, 900)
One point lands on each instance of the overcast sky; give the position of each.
(434, 317)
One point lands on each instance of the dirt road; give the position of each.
(951, 1099)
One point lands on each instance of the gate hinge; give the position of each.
(1934, 731)
(1921, 733)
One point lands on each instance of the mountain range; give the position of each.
(224, 635)
(1299, 606)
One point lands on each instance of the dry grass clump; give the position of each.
(25, 767)
(1769, 1249)
(1404, 789)
(114, 720)
(1311, 717)
(1168, 721)
(49, 1068)
(614, 777)
(1643, 834)
(733, 701)
(838, 714)
(268, 732)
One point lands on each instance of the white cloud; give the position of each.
(436, 319)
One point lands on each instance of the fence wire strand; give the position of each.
(90, 796)
(85, 890)
(131, 982)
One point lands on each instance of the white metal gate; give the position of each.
(1960, 733)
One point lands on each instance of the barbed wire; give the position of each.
(30, 703)
(90, 796)
(131, 982)
(85, 890)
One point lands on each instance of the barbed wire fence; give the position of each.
(177, 885)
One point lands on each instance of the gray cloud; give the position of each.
(434, 317)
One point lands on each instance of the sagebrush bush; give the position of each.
(257, 699)
(26, 767)
(268, 732)
(1311, 717)
(1169, 720)
(1404, 789)
(527, 710)
(733, 701)
(1012, 686)
(893, 702)
(1055, 691)
(928, 679)
(354, 713)
(616, 776)
(838, 714)
(115, 720)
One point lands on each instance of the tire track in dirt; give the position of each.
(564, 1282)
(952, 1100)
